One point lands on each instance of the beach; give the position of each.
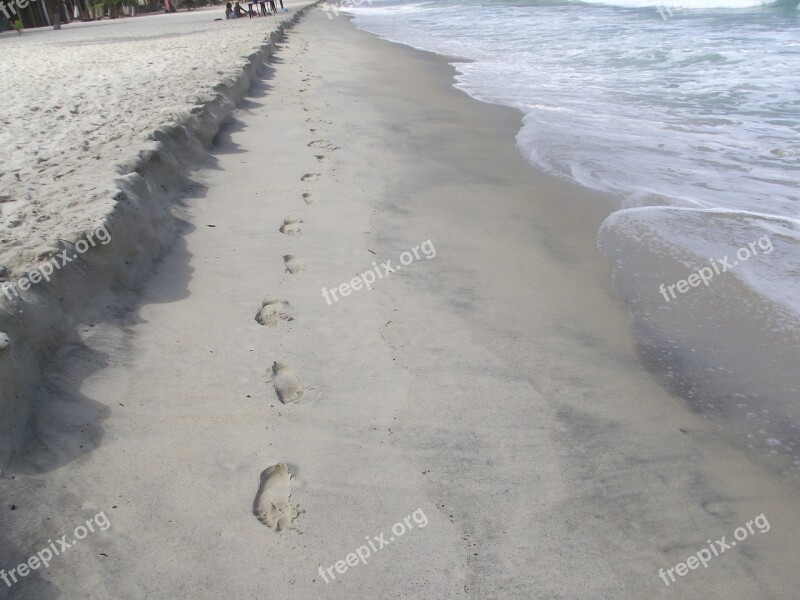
(104, 156)
(363, 349)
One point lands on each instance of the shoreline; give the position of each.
(493, 387)
(728, 351)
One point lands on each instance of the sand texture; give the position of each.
(106, 144)
(469, 413)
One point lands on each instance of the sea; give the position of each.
(688, 114)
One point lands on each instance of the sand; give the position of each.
(79, 107)
(100, 126)
(478, 420)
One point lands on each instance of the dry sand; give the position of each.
(80, 106)
(489, 395)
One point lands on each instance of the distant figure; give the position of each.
(272, 6)
(282, 9)
(239, 11)
(229, 14)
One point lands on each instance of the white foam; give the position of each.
(697, 109)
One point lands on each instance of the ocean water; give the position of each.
(694, 105)
(689, 114)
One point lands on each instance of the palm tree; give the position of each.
(53, 8)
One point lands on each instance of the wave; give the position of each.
(698, 4)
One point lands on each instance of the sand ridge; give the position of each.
(79, 138)
(124, 177)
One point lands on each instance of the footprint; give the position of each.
(290, 226)
(321, 157)
(310, 198)
(272, 311)
(294, 264)
(312, 130)
(287, 385)
(272, 503)
(322, 144)
(309, 177)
